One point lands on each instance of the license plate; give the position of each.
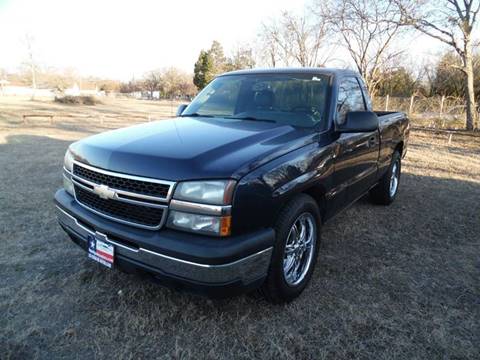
(100, 250)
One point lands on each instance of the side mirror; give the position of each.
(359, 121)
(180, 109)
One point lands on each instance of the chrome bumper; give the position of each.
(246, 270)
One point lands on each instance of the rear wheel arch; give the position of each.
(381, 193)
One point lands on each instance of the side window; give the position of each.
(350, 98)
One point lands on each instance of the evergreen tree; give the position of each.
(397, 82)
(218, 57)
(213, 62)
(204, 70)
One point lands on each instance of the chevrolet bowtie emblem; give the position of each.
(104, 191)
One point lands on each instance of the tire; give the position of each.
(386, 191)
(300, 213)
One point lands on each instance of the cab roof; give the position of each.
(313, 71)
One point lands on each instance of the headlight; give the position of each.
(67, 183)
(202, 207)
(217, 192)
(68, 161)
(203, 224)
(67, 172)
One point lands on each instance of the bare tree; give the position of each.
(152, 81)
(177, 83)
(267, 48)
(295, 39)
(170, 82)
(32, 65)
(451, 22)
(186, 87)
(367, 29)
(242, 58)
(129, 87)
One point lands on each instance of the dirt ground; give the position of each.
(391, 282)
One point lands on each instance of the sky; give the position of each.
(124, 39)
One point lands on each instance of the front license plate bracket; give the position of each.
(100, 250)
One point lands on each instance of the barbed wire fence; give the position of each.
(439, 112)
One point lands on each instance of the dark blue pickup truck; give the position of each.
(231, 194)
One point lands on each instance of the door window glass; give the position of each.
(350, 98)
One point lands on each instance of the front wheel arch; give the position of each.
(275, 288)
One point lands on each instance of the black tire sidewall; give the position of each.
(380, 194)
(301, 204)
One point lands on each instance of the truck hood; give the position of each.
(190, 148)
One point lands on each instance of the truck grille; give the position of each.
(133, 200)
(138, 214)
(123, 183)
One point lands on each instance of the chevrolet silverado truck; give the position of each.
(230, 195)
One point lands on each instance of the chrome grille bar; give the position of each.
(127, 177)
(128, 197)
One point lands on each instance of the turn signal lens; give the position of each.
(225, 226)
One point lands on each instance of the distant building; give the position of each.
(3, 84)
(73, 91)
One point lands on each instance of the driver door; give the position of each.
(357, 154)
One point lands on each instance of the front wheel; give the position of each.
(386, 190)
(293, 260)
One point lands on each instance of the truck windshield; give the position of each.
(297, 100)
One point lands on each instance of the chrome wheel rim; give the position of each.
(394, 179)
(299, 249)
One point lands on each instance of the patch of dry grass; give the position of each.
(110, 113)
(391, 282)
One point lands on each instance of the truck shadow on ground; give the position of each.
(384, 274)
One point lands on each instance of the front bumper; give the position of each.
(213, 266)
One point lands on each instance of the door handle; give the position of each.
(372, 141)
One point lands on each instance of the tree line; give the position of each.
(173, 83)
(365, 34)
(168, 83)
(429, 80)
(369, 33)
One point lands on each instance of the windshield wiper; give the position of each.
(196, 115)
(250, 118)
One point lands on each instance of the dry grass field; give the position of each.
(391, 282)
(109, 113)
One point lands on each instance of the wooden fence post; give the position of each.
(386, 102)
(412, 100)
(441, 104)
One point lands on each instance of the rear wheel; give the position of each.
(386, 190)
(295, 252)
